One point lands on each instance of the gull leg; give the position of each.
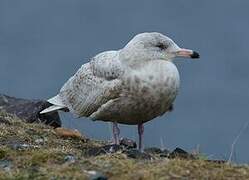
(140, 128)
(116, 132)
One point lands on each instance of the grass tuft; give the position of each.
(36, 151)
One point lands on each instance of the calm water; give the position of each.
(42, 43)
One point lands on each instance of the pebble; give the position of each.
(5, 165)
(110, 148)
(94, 175)
(128, 143)
(19, 146)
(39, 141)
(70, 158)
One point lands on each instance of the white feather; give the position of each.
(56, 100)
(51, 109)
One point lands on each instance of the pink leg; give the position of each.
(140, 128)
(116, 132)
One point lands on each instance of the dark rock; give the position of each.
(95, 151)
(136, 154)
(157, 151)
(110, 148)
(216, 161)
(165, 153)
(128, 143)
(94, 175)
(180, 153)
(29, 110)
(153, 150)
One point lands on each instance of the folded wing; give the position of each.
(93, 85)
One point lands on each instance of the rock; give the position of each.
(125, 144)
(128, 143)
(157, 151)
(180, 153)
(29, 110)
(136, 154)
(165, 153)
(216, 161)
(5, 165)
(70, 159)
(153, 150)
(110, 148)
(19, 146)
(40, 141)
(94, 175)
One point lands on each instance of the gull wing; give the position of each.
(93, 85)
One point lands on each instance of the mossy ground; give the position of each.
(36, 151)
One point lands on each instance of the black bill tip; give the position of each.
(195, 55)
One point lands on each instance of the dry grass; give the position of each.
(35, 151)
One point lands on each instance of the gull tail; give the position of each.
(57, 104)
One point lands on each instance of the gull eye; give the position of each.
(162, 46)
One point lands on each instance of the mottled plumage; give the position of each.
(131, 86)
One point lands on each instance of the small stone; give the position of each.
(110, 148)
(94, 175)
(5, 165)
(39, 141)
(128, 143)
(19, 146)
(70, 159)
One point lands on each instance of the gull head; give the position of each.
(146, 47)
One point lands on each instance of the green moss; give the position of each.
(42, 157)
(46, 158)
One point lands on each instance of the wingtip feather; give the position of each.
(51, 109)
